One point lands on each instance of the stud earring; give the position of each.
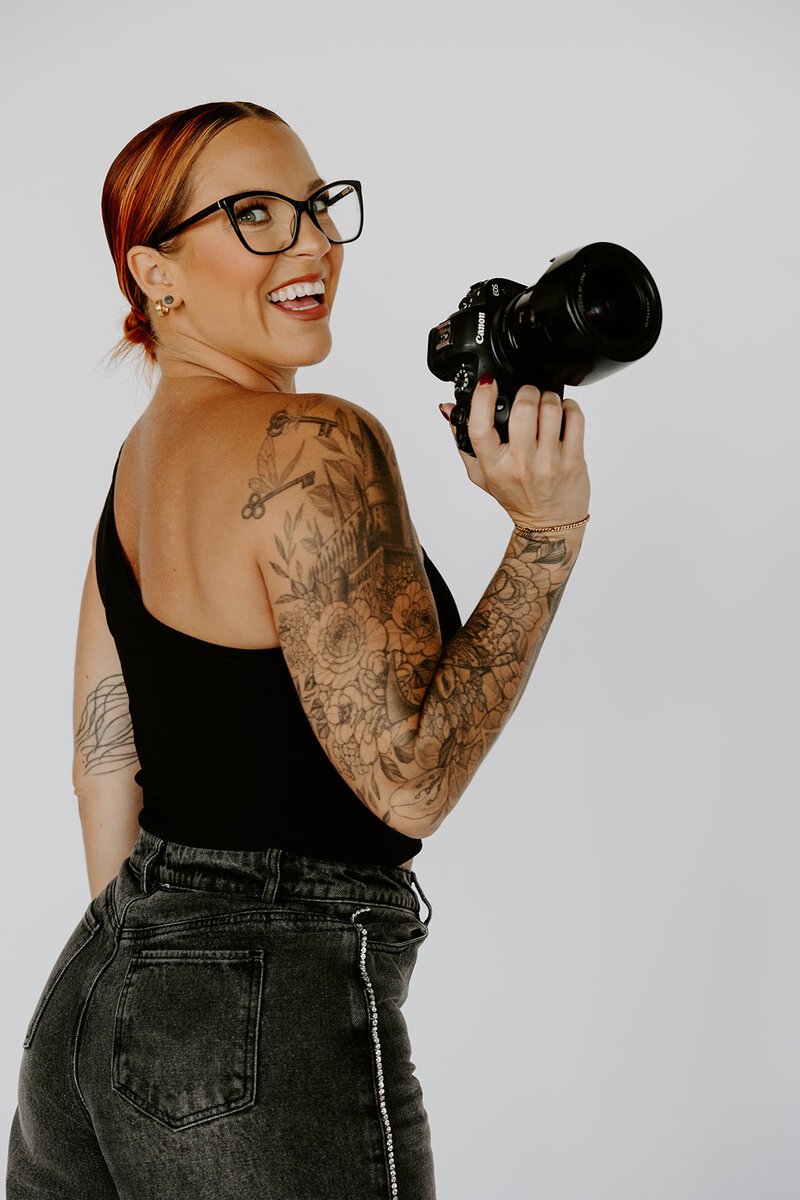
(162, 306)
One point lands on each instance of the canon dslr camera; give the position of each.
(594, 310)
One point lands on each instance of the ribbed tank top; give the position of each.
(227, 756)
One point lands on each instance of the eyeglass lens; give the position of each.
(267, 223)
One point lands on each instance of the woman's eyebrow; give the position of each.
(316, 183)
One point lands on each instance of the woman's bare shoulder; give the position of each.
(320, 418)
(300, 435)
(317, 406)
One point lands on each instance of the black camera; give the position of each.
(594, 310)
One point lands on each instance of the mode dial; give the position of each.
(464, 381)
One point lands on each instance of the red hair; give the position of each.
(147, 187)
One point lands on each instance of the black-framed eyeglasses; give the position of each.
(268, 223)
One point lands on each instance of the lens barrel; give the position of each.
(595, 309)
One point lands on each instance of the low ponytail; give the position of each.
(139, 332)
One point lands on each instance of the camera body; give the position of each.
(595, 309)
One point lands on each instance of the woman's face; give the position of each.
(221, 288)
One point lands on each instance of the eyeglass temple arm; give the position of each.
(176, 229)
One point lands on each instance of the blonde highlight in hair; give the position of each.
(146, 189)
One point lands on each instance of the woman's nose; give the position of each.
(310, 237)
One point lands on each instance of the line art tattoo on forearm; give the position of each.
(104, 739)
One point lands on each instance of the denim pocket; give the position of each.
(76, 942)
(186, 1033)
(391, 928)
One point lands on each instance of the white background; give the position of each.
(607, 1006)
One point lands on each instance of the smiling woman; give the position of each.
(196, 169)
(275, 703)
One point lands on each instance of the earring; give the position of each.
(162, 306)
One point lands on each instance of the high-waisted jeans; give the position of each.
(226, 1025)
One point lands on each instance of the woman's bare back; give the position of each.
(177, 506)
(181, 485)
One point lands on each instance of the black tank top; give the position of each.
(227, 756)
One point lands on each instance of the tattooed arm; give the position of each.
(404, 719)
(105, 759)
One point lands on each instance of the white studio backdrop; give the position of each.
(607, 1006)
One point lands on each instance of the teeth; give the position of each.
(313, 287)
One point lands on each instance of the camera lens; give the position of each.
(595, 309)
(610, 299)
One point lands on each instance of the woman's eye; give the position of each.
(254, 213)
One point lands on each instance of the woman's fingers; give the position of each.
(535, 417)
(550, 418)
(541, 465)
(574, 426)
(482, 434)
(523, 419)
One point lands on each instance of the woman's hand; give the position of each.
(537, 476)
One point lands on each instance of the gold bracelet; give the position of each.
(553, 528)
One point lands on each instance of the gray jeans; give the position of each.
(226, 1024)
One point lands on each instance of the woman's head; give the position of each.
(178, 166)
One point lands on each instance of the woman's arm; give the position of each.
(105, 759)
(482, 673)
(405, 720)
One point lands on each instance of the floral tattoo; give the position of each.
(405, 721)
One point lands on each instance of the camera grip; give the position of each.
(506, 392)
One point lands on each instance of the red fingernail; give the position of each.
(484, 379)
(444, 412)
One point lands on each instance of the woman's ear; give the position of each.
(154, 274)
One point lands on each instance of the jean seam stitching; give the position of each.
(36, 1018)
(79, 1030)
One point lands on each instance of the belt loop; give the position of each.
(428, 904)
(270, 889)
(156, 850)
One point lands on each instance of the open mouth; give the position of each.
(298, 297)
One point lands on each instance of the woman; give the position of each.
(275, 702)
